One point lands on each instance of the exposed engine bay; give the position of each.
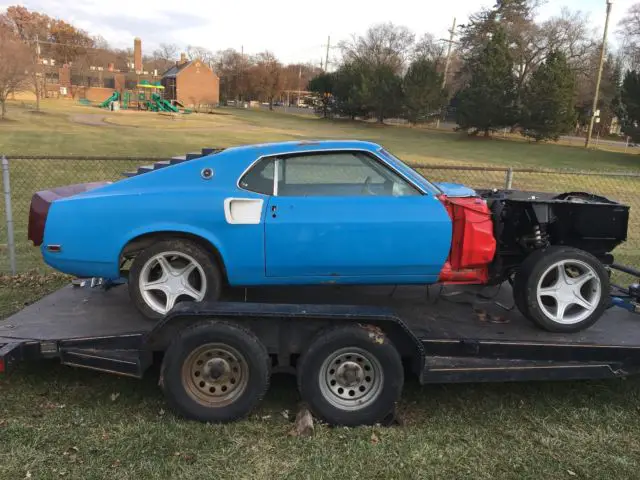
(527, 221)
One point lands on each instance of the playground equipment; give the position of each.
(115, 96)
(154, 101)
(163, 104)
(146, 98)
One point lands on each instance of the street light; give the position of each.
(595, 96)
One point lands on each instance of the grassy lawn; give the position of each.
(58, 131)
(56, 422)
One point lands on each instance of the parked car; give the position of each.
(328, 212)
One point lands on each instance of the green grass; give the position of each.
(57, 133)
(56, 422)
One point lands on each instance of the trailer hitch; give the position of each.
(627, 298)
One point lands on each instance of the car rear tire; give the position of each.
(562, 289)
(172, 271)
(351, 375)
(215, 372)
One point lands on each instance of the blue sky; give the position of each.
(295, 30)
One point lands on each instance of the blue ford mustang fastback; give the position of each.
(293, 213)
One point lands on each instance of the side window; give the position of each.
(339, 174)
(260, 178)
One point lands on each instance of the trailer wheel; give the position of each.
(351, 375)
(215, 372)
(562, 289)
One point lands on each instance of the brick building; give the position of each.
(191, 83)
(97, 74)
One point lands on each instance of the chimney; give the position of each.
(183, 58)
(137, 55)
(111, 67)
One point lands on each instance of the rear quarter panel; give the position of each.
(93, 228)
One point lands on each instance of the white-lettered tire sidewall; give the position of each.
(233, 335)
(204, 258)
(373, 342)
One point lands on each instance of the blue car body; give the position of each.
(369, 239)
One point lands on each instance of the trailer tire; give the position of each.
(351, 375)
(539, 290)
(215, 372)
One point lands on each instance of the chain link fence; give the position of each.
(31, 174)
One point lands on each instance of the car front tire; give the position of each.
(562, 289)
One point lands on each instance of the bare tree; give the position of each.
(384, 44)
(570, 34)
(165, 56)
(15, 63)
(268, 77)
(429, 48)
(629, 34)
(201, 53)
(297, 76)
(100, 42)
(232, 68)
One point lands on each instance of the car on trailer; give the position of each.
(328, 213)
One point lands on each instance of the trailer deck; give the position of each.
(453, 314)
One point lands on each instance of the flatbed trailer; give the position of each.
(442, 335)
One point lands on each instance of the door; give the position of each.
(347, 214)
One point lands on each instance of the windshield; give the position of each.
(410, 172)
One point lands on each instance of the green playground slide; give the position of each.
(151, 105)
(115, 96)
(164, 105)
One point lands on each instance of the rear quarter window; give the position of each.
(259, 178)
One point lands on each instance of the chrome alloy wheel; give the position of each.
(169, 277)
(569, 291)
(351, 378)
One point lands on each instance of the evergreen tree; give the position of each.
(488, 103)
(348, 90)
(548, 100)
(423, 93)
(381, 91)
(630, 105)
(323, 86)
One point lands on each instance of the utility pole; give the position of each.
(240, 90)
(326, 60)
(36, 76)
(447, 63)
(299, 84)
(599, 79)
